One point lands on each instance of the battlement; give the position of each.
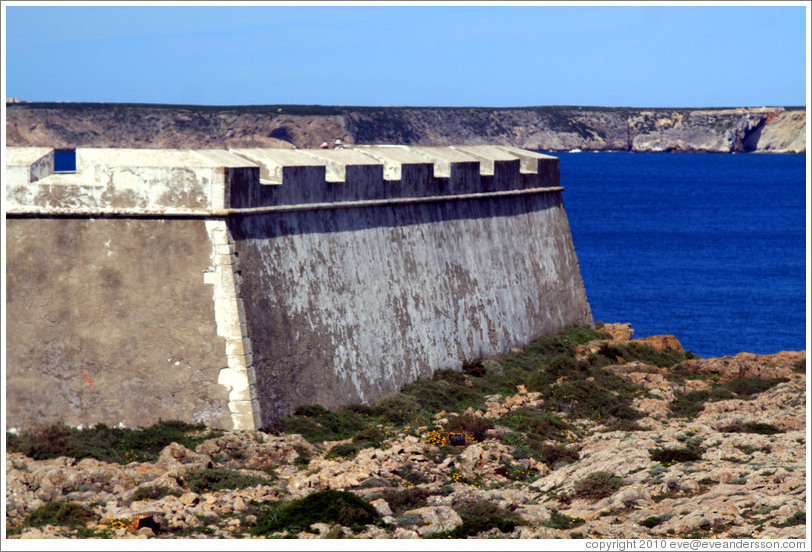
(211, 182)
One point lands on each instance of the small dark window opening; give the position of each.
(65, 160)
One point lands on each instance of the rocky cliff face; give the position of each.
(69, 125)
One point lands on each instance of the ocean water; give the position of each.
(708, 247)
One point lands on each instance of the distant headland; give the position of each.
(548, 128)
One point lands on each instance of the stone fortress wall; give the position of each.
(228, 287)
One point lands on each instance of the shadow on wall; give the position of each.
(328, 221)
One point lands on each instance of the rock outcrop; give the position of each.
(552, 128)
(742, 483)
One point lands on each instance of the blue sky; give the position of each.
(462, 55)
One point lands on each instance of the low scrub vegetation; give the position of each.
(598, 485)
(689, 405)
(407, 499)
(669, 456)
(203, 481)
(327, 506)
(752, 427)
(109, 444)
(482, 516)
(653, 521)
(61, 512)
(548, 365)
(562, 521)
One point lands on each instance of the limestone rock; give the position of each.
(618, 333)
(435, 519)
(661, 343)
(176, 457)
(746, 365)
(382, 507)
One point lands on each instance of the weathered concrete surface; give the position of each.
(109, 321)
(145, 180)
(350, 306)
(24, 165)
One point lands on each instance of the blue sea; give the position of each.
(708, 247)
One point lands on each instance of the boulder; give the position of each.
(618, 333)
(660, 343)
(435, 519)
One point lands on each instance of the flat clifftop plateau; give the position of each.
(581, 434)
(550, 128)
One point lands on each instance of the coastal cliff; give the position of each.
(549, 128)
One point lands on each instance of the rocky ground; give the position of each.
(748, 480)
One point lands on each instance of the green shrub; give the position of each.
(482, 516)
(398, 408)
(407, 499)
(624, 425)
(434, 395)
(472, 425)
(107, 444)
(60, 512)
(302, 459)
(409, 474)
(342, 450)
(589, 399)
(548, 346)
(747, 449)
(369, 437)
(317, 424)
(328, 506)
(748, 387)
(451, 376)
(536, 424)
(800, 366)
(215, 480)
(692, 403)
(670, 456)
(654, 521)
(598, 485)
(754, 427)
(551, 370)
(798, 518)
(581, 334)
(689, 405)
(556, 455)
(521, 446)
(644, 353)
(561, 521)
(513, 472)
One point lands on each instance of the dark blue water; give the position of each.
(708, 247)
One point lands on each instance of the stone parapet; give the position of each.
(206, 182)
